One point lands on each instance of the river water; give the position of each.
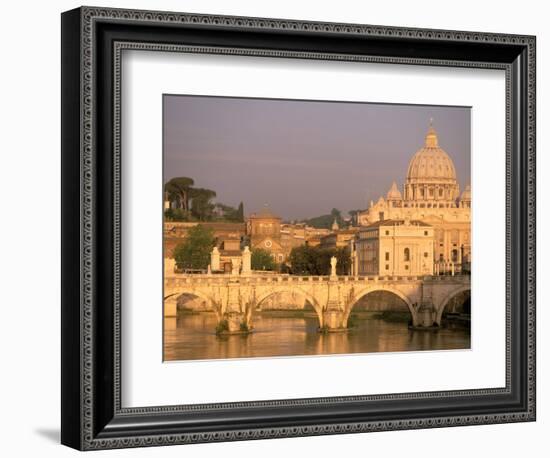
(191, 336)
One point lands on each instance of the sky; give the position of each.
(303, 158)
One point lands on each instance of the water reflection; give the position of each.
(191, 336)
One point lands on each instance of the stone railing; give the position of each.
(285, 279)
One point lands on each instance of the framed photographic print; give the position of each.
(278, 228)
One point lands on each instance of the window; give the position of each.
(406, 267)
(425, 232)
(425, 254)
(387, 232)
(441, 193)
(387, 256)
(387, 267)
(381, 216)
(407, 255)
(454, 255)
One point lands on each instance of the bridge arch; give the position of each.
(261, 296)
(446, 300)
(365, 292)
(199, 294)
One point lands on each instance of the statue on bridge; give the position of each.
(333, 262)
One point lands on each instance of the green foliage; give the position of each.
(354, 215)
(194, 251)
(195, 204)
(262, 260)
(326, 221)
(343, 257)
(177, 191)
(320, 222)
(303, 260)
(228, 213)
(169, 214)
(240, 213)
(284, 268)
(307, 260)
(202, 207)
(176, 214)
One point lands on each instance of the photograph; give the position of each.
(314, 227)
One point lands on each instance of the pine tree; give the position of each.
(240, 212)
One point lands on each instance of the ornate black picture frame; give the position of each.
(92, 415)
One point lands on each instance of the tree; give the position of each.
(337, 214)
(240, 213)
(201, 206)
(262, 260)
(194, 251)
(303, 260)
(177, 190)
(225, 212)
(176, 214)
(228, 213)
(306, 260)
(325, 221)
(354, 216)
(322, 260)
(343, 257)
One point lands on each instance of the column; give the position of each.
(446, 244)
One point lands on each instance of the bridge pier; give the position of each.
(333, 317)
(234, 323)
(237, 313)
(425, 317)
(333, 321)
(171, 307)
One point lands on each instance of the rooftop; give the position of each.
(265, 213)
(396, 222)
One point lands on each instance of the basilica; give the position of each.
(424, 228)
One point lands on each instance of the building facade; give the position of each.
(175, 232)
(339, 238)
(393, 247)
(264, 231)
(431, 194)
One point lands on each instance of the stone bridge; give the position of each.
(234, 298)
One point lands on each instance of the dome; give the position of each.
(265, 213)
(394, 193)
(431, 164)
